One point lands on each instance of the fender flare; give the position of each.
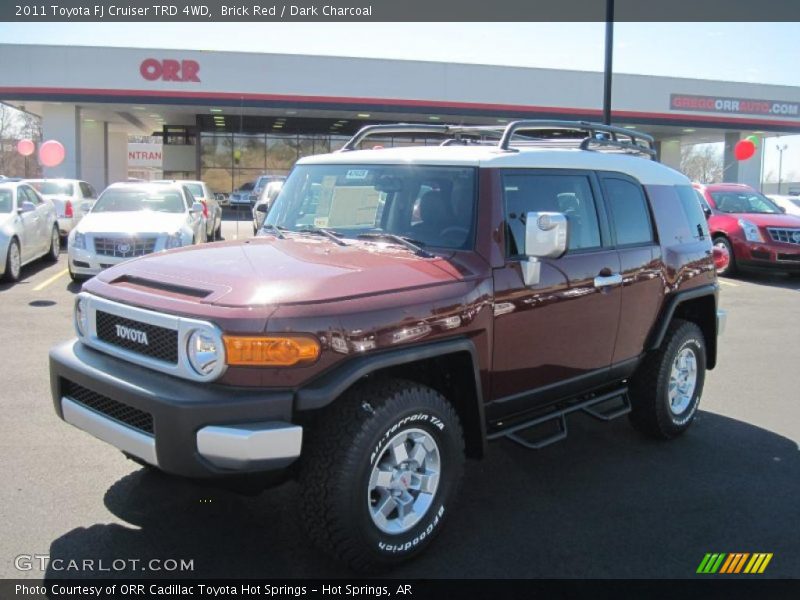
(330, 385)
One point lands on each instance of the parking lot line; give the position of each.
(723, 282)
(47, 282)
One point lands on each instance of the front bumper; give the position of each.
(86, 262)
(767, 255)
(194, 429)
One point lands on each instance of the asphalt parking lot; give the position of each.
(604, 503)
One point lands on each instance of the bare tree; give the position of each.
(16, 125)
(701, 163)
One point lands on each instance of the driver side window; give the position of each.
(570, 195)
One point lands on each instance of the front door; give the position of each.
(558, 334)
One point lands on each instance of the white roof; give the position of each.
(648, 172)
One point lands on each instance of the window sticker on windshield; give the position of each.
(357, 174)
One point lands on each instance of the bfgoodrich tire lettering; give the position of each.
(666, 390)
(346, 446)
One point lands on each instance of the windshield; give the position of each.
(48, 188)
(744, 202)
(168, 201)
(6, 201)
(247, 187)
(430, 206)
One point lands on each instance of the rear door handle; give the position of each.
(607, 281)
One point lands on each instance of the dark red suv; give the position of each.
(750, 228)
(399, 309)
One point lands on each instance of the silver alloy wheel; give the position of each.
(404, 481)
(14, 260)
(682, 381)
(55, 244)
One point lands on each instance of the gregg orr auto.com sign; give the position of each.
(743, 106)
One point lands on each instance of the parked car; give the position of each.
(368, 353)
(131, 220)
(243, 196)
(28, 228)
(212, 211)
(263, 181)
(264, 203)
(222, 198)
(750, 228)
(789, 204)
(71, 197)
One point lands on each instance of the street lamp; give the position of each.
(781, 148)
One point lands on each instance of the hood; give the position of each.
(766, 220)
(132, 222)
(268, 271)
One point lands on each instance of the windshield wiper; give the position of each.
(322, 231)
(274, 229)
(410, 244)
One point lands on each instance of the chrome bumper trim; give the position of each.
(722, 318)
(125, 438)
(249, 445)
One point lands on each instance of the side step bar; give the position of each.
(591, 407)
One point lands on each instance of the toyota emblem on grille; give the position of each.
(131, 334)
(123, 248)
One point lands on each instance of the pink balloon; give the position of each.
(26, 147)
(51, 153)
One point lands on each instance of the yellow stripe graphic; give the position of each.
(765, 563)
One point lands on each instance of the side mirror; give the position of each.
(197, 207)
(26, 207)
(783, 209)
(706, 211)
(545, 237)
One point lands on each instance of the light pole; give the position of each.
(607, 68)
(781, 148)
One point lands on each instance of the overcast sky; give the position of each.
(750, 52)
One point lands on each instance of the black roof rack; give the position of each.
(549, 131)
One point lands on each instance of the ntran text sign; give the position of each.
(169, 69)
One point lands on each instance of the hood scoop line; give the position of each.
(145, 285)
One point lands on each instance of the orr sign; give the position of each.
(169, 69)
(742, 106)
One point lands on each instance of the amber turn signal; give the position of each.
(270, 351)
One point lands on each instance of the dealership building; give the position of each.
(227, 117)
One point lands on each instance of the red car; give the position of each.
(750, 228)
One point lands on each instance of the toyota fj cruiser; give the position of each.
(400, 308)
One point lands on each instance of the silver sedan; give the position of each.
(28, 228)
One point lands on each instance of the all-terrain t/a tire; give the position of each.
(380, 472)
(667, 387)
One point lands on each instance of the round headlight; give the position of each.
(204, 351)
(81, 317)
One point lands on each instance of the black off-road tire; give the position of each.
(649, 388)
(341, 448)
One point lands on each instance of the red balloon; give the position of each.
(744, 149)
(26, 147)
(51, 153)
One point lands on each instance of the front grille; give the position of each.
(786, 236)
(122, 413)
(150, 340)
(124, 247)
